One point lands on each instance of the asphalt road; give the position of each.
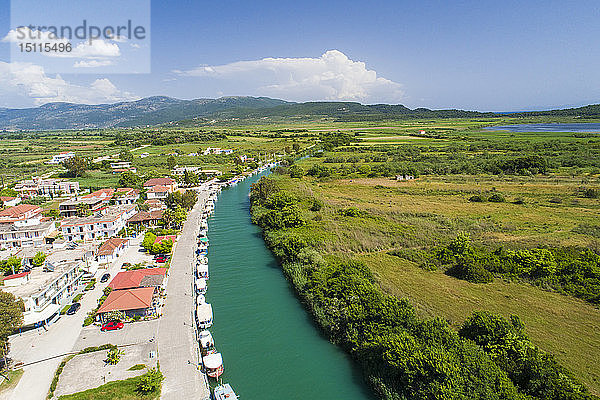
(177, 347)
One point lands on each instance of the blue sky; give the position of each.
(483, 55)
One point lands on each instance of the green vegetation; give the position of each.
(136, 367)
(11, 318)
(401, 354)
(12, 381)
(113, 356)
(126, 389)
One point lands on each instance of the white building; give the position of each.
(124, 196)
(22, 226)
(158, 192)
(104, 224)
(61, 157)
(9, 201)
(217, 150)
(45, 290)
(46, 187)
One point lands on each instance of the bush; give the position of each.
(113, 356)
(316, 205)
(150, 381)
(496, 198)
(296, 171)
(136, 367)
(477, 199)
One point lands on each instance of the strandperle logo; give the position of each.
(76, 36)
(84, 31)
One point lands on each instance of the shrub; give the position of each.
(352, 212)
(316, 205)
(113, 356)
(496, 198)
(150, 381)
(136, 367)
(296, 171)
(477, 199)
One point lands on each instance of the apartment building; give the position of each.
(23, 226)
(103, 224)
(45, 187)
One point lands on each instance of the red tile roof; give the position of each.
(109, 247)
(14, 276)
(167, 237)
(132, 279)
(158, 189)
(6, 198)
(132, 299)
(144, 216)
(159, 181)
(18, 212)
(102, 193)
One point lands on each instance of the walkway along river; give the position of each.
(270, 347)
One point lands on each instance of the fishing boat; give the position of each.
(213, 363)
(224, 392)
(204, 316)
(207, 343)
(202, 270)
(200, 286)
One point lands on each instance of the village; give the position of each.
(93, 274)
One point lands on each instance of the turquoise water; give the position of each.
(270, 347)
(590, 127)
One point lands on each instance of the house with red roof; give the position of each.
(16, 279)
(146, 218)
(131, 302)
(102, 194)
(9, 201)
(111, 249)
(158, 192)
(148, 277)
(170, 183)
(125, 196)
(23, 226)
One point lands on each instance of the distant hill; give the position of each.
(148, 111)
(160, 110)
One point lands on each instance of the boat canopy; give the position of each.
(200, 299)
(206, 339)
(202, 267)
(204, 312)
(201, 284)
(213, 361)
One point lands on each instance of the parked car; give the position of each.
(161, 260)
(112, 326)
(73, 309)
(105, 278)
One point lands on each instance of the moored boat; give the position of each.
(204, 316)
(224, 392)
(206, 342)
(213, 363)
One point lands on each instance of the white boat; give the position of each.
(204, 316)
(224, 392)
(202, 271)
(206, 342)
(200, 285)
(200, 299)
(213, 363)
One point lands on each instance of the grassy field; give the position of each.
(117, 390)
(430, 211)
(562, 325)
(14, 376)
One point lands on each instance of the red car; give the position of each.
(112, 326)
(161, 260)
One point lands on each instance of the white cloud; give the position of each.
(25, 84)
(333, 76)
(24, 34)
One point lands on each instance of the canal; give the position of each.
(270, 347)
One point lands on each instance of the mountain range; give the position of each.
(159, 110)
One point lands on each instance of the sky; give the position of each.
(477, 55)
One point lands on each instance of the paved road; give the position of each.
(46, 348)
(177, 347)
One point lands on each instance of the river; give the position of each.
(270, 347)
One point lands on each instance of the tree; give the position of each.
(295, 147)
(148, 241)
(188, 200)
(11, 265)
(130, 180)
(52, 213)
(171, 162)
(296, 171)
(262, 189)
(76, 166)
(83, 210)
(190, 178)
(38, 259)
(11, 318)
(174, 218)
(126, 155)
